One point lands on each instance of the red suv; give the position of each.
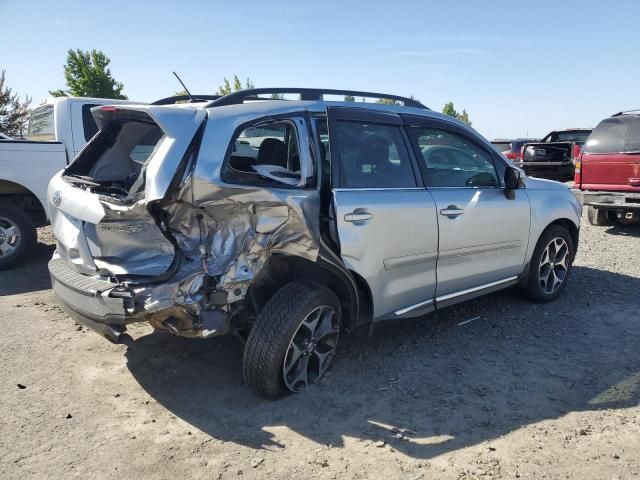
(608, 170)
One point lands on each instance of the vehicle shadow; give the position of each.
(625, 230)
(31, 276)
(440, 383)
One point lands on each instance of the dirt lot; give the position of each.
(524, 391)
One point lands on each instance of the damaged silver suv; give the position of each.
(289, 222)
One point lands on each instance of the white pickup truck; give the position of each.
(58, 129)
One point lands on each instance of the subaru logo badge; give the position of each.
(57, 198)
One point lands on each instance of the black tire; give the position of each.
(12, 215)
(274, 329)
(535, 288)
(599, 217)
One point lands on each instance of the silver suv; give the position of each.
(289, 222)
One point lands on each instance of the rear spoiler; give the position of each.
(185, 99)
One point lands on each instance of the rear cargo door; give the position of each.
(611, 158)
(99, 204)
(386, 219)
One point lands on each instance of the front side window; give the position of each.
(266, 153)
(615, 135)
(372, 156)
(41, 126)
(453, 161)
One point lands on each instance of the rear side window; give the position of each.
(454, 161)
(619, 134)
(265, 154)
(89, 124)
(41, 126)
(372, 156)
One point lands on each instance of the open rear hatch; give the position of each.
(103, 205)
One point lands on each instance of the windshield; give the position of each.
(568, 136)
(615, 135)
(41, 127)
(502, 146)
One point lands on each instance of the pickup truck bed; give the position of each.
(552, 158)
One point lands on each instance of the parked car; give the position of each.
(554, 156)
(343, 214)
(57, 130)
(511, 148)
(608, 171)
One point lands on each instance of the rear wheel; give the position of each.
(600, 217)
(550, 264)
(293, 340)
(17, 235)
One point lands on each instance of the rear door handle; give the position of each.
(359, 215)
(451, 211)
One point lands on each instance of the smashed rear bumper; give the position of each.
(87, 300)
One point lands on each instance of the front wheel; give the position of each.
(293, 340)
(551, 264)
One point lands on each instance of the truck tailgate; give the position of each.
(620, 171)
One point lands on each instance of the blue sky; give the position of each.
(518, 68)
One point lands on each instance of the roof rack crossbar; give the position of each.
(314, 94)
(182, 98)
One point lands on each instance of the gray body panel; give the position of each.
(396, 250)
(487, 242)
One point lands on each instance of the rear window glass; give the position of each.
(502, 146)
(568, 136)
(41, 127)
(615, 135)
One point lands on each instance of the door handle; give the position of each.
(451, 211)
(359, 215)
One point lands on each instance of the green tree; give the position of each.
(349, 98)
(277, 96)
(87, 75)
(226, 88)
(450, 110)
(13, 112)
(387, 101)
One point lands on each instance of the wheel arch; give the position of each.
(573, 229)
(24, 198)
(282, 269)
(564, 222)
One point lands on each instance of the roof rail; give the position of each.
(626, 111)
(187, 98)
(316, 94)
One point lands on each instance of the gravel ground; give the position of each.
(522, 391)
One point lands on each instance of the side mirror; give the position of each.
(512, 178)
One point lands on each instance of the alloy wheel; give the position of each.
(311, 348)
(554, 265)
(9, 237)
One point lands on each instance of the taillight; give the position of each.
(108, 108)
(511, 155)
(522, 153)
(575, 153)
(577, 175)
